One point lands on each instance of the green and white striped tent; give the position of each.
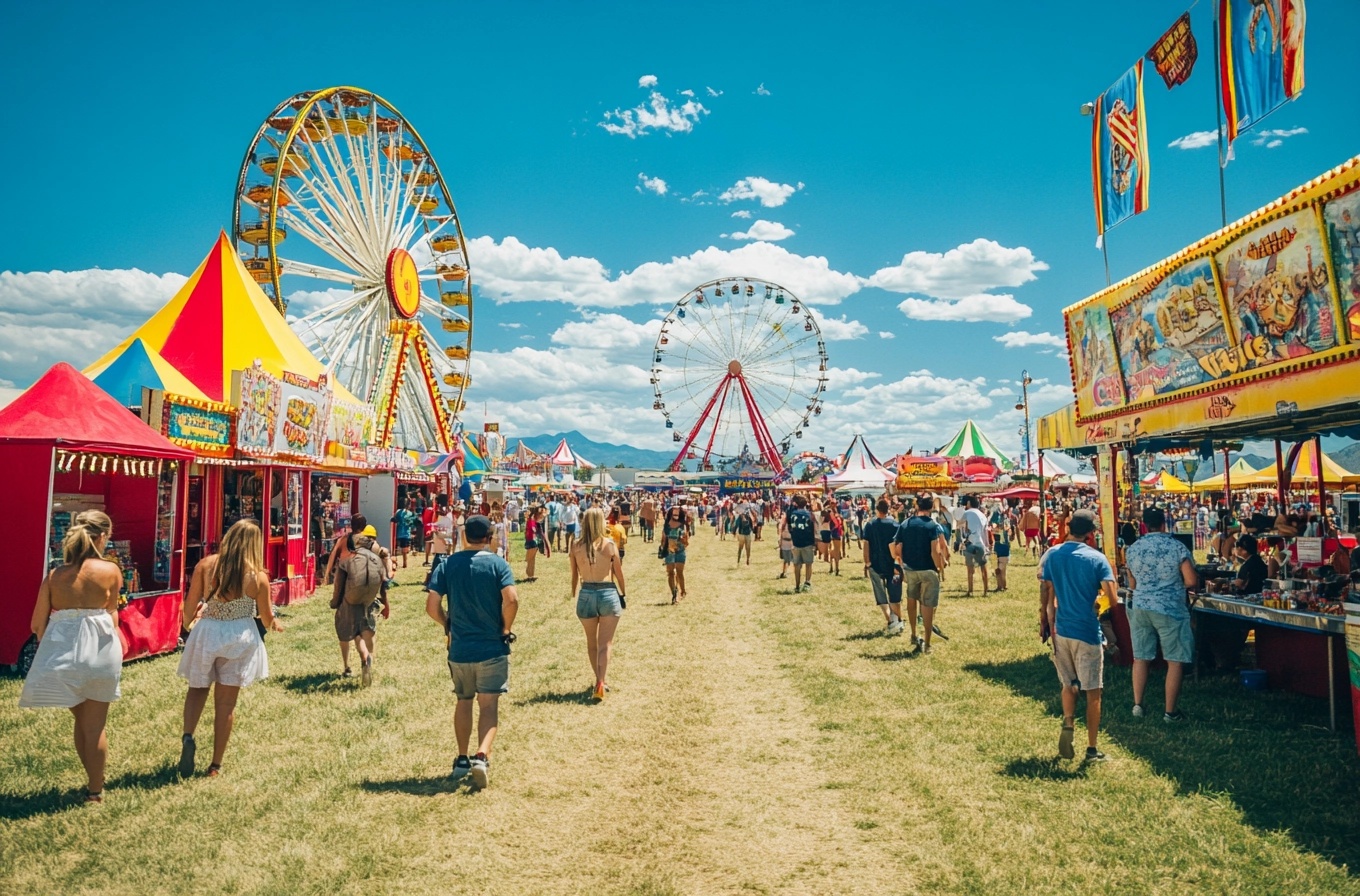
(973, 442)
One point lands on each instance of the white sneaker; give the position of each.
(1137, 710)
(480, 774)
(366, 673)
(895, 627)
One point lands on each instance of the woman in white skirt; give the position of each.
(80, 655)
(225, 649)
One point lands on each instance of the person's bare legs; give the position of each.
(92, 745)
(605, 646)
(913, 609)
(365, 643)
(670, 579)
(1069, 706)
(529, 556)
(927, 621)
(1175, 673)
(194, 701)
(462, 724)
(224, 715)
(970, 578)
(488, 717)
(1140, 677)
(592, 627)
(1092, 715)
(680, 577)
(344, 654)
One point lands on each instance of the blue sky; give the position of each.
(911, 128)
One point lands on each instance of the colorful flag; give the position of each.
(1175, 52)
(1260, 58)
(1119, 153)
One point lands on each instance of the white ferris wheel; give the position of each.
(340, 181)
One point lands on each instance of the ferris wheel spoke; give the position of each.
(345, 173)
(332, 189)
(321, 233)
(788, 348)
(303, 269)
(716, 339)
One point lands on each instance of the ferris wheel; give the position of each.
(340, 181)
(743, 360)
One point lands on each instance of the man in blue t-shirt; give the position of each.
(1074, 576)
(922, 551)
(482, 603)
(881, 567)
(1160, 570)
(803, 534)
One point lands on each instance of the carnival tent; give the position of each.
(859, 468)
(1240, 471)
(1305, 470)
(64, 410)
(1058, 464)
(141, 366)
(563, 456)
(1162, 481)
(973, 442)
(219, 322)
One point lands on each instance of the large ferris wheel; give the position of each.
(743, 360)
(340, 181)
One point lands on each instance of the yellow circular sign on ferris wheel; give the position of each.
(403, 283)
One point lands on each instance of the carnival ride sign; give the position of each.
(285, 416)
(1276, 291)
(351, 424)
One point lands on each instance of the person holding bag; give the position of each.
(225, 647)
(360, 589)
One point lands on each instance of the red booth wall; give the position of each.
(24, 504)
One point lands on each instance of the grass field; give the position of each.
(755, 741)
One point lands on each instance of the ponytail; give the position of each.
(79, 543)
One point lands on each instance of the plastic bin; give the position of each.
(1253, 679)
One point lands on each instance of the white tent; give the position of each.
(563, 456)
(1058, 464)
(860, 469)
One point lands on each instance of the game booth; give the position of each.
(68, 446)
(1252, 333)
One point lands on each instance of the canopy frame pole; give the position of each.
(1279, 475)
(1227, 482)
(1322, 486)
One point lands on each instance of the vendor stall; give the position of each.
(71, 447)
(1251, 333)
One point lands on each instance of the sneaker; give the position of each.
(461, 766)
(895, 627)
(348, 673)
(1065, 743)
(366, 676)
(187, 748)
(1176, 716)
(916, 644)
(1094, 755)
(598, 693)
(925, 649)
(481, 774)
(807, 586)
(1137, 710)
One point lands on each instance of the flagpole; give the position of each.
(1105, 253)
(1218, 113)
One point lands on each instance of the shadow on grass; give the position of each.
(580, 696)
(1269, 752)
(1044, 768)
(56, 799)
(431, 786)
(865, 636)
(317, 683)
(907, 654)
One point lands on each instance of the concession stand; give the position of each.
(1251, 333)
(69, 446)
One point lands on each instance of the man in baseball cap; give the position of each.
(1074, 575)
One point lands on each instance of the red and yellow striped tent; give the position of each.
(220, 322)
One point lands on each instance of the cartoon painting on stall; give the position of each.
(1165, 335)
(1343, 232)
(1276, 285)
(1095, 365)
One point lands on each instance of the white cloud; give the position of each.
(72, 316)
(1195, 140)
(652, 184)
(839, 329)
(510, 271)
(712, 92)
(961, 272)
(741, 213)
(1024, 339)
(763, 230)
(1001, 309)
(606, 331)
(647, 81)
(687, 93)
(886, 334)
(1270, 138)
(761, 91)
(510, 325)
(657, 114)
(769, 193)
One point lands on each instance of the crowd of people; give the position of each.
(907, 545)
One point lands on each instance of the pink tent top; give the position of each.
(563, 456)
(65, 408)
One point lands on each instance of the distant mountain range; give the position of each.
(602, 453)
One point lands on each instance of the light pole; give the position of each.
(1023, 405)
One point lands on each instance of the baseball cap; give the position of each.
(478, 528)
(1083, 522)
(370, 532)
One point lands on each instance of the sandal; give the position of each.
(93, 796)
(214, 770)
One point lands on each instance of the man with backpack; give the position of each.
(744, 527)
(803, 534)
(360, 588)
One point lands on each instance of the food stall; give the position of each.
(71, 447)
(1250, 333)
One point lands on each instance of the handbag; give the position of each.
(259, 627)
(661, 550)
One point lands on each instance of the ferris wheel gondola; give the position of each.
(338, 197)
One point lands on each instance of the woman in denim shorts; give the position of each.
(597, 568)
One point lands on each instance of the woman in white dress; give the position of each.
(444, 528)
(225, 649)
(80, 654)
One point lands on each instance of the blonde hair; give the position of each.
(592, 530)
(79, 543)
(240, 554)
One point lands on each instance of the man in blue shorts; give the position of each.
(922, 551)
(1160, 571)
(482, 603)
(803, 534)
(881, 566)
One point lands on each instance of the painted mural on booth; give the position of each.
(1095, 363)
(1278, 292)
(1342, 216)
(1167, 337)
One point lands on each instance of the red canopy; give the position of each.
(1020, 492)
(65, 408)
